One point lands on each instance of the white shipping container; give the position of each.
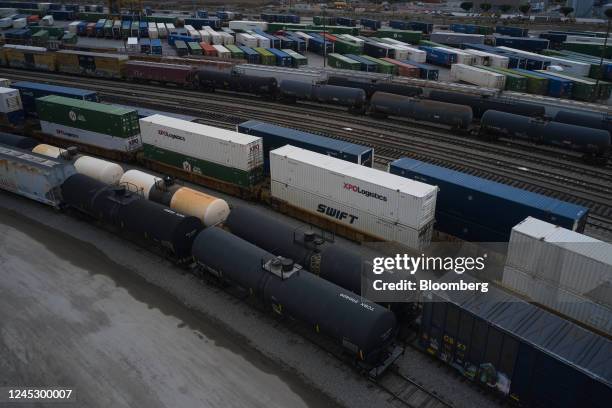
(476, 76)
(242, 25)
(205, 35)
(10, 100)
(132, 44)
(153, 34)
(569, 67)
(384, 195)
(162, 32)
(19, 23)
(452, 38)
(399, 51)
(489, 59)
(215, 37)
(5, 82)
(352, 39)
(223, 52)
(91, 138)
(566, 258)
(47, 21)
(72, 27)
(262, 41)
(589, 309)
(246, 39)
(351, 217)
(170, 28)
(6, 22)
(226, 38)
(189, 27)
(215, 145)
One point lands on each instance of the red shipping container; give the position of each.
(208, 49)
(33, 19)
(329, 37)
(404, 69)
(160, 72)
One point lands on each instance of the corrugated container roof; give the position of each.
(198, 128)
(52, 88)
(367, 174)
(555, 336)
(322, 141)
(493, 188)
(94, 54)
(567, 239)
(96, 106)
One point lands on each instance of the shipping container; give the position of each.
(476, 76)
(512, 31)
(449, 38)
(384, 67)
(92, 123)
(412, 37)
(250, 54)
(221, 154)
(471, 29)
(439, 56)
(522, 43)
(516, 348)
(496, 208)
(404, 68)
(274, 137)
(386, 196)
(297, 60)
(588, 48)
(514, 82)
(282, 59)
(514, 60)
(342, 62)
(365, 64)
(462, 57)
(489, 59)
(426, 71)
(181, 48)
(30, 91)
(541, 84)
(33, 176)
(582, 89)
(370, 23)
(235, 52)
(265, 56)
(11, 107)
(569, 67)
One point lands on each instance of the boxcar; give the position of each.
(91, 63)
(23, 56)
(532, 356)
(159, 72)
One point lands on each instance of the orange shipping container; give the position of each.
(208, 49)
(404, 69)
(329, 37)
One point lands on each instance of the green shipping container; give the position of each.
(324, 20)
(297, 59)
(273, 27)
(588, 48)
(236, 52)
(266, 57)
(581, 89)
(70, 38)
(194, 48)
(514, 82)
(340, 61)
(209, 169)
(384, 67)
(535, 85)
(345, 47)
(40, 38)
(91, 116)
(412, 37)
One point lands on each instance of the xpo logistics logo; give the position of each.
(170, 135)
(359, 190)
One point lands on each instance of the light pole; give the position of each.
(608, 14)
(325, 38)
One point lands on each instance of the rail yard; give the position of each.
(260, 176)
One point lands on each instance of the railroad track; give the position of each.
(561, 178)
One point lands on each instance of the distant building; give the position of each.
(582, 8)
(496, 3)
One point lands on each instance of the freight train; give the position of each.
(345, 91)
(365, 330)
(484, 338)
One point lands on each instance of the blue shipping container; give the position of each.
(274, 137)
(250, 54)
(512, 31)
(175, 37)
(156, 46)
(438, 56)
(30, 91)
(522, 43)
(282, 58)
(557, 87)
(493, 205)
(300, 43)
(371, 24)
(376, 50)
(427, 71)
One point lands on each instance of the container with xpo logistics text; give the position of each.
(97, 124)
(372, 202)
(221, 154)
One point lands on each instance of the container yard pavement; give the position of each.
(73, 318)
